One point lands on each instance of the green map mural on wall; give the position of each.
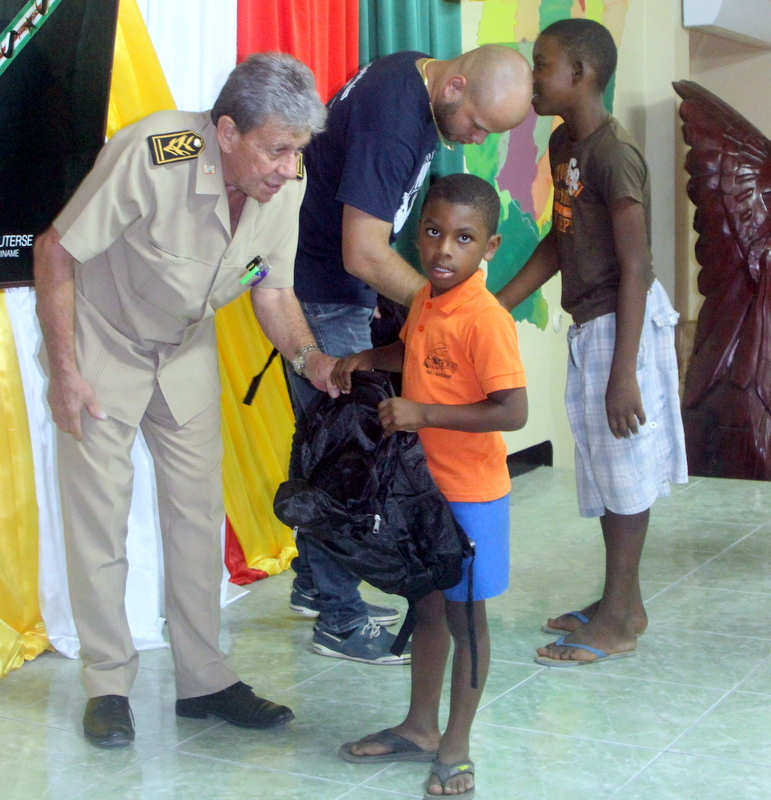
(516, 163)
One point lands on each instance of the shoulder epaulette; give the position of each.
(166, 148)
(300, 167)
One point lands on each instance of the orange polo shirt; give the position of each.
(459, 346)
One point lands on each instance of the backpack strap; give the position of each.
(472, 631)
(408, 626)
(255, 384)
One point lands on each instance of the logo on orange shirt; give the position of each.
(436, 362)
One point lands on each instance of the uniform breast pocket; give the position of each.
(178, 284)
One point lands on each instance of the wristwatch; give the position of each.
(298, 362)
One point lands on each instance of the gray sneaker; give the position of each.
(305, 605)
(370, 643)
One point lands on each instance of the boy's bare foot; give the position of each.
(610, 639)
(450, 779)
(570, 623)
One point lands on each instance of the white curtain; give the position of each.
(196, 44)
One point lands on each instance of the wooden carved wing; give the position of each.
(730, 167)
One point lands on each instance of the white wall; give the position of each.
(738, 73)
(652, 54)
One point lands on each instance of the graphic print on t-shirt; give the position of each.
(408, 198)
(567, 185)
(437, 363)
(351, 83)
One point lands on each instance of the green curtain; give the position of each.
(431, 26)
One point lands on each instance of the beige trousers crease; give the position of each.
(96, 478)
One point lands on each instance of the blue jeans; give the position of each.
(339, 330)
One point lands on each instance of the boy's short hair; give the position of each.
(587, 40)
(467, 190)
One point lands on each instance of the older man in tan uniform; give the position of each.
(181, 213)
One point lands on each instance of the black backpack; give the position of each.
(370, 501)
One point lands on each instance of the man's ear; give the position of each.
(455, 88)
(227, 133)
(493, 243)
(579, 71)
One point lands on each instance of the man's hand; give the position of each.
(67, 396)
(318, 370)
(398, 414)
(341, 374)
(623, 405)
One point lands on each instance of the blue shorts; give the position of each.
(487, 525)
(626, 475)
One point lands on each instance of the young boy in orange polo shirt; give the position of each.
(463, 383)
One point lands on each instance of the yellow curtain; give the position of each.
(138, 85)
(257, 438)
(22, 633)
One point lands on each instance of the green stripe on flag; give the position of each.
(24, 26)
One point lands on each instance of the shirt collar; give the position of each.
(209, 178)
(458, 295)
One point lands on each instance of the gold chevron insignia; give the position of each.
(300, 170)
(166, 148)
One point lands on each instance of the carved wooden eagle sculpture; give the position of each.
(727, 400)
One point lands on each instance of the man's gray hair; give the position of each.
(275, 86)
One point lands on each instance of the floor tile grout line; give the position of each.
(46, 725)
(511, 689)
(688, 486)
(364, 786)
(634, 777)
(683, 754)
(247, 765)
(313, 677)
(708, 561)
(140, 760)
(663, 626)
(616, 676)
(656, 681)
(719, 702)
(570, 736)
(725, 591)
(101, 781)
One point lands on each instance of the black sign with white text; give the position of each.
(55, 68)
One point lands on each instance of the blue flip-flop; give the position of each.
(582, 618)
(545, 661)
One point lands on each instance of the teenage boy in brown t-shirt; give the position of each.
(621, 393)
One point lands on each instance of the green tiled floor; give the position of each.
(689, 717)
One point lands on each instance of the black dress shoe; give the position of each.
(237, 704)
(108, 721)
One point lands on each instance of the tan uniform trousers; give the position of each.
(95, 478)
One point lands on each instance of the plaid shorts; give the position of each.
(626, 475)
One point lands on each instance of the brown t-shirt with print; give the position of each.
(589, 176)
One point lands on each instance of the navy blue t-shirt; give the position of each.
(374, 155)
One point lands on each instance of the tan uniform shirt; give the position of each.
(156, 259)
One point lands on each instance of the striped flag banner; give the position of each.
(26, 24)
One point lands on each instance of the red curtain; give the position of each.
(324, 34)
(240, 572)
